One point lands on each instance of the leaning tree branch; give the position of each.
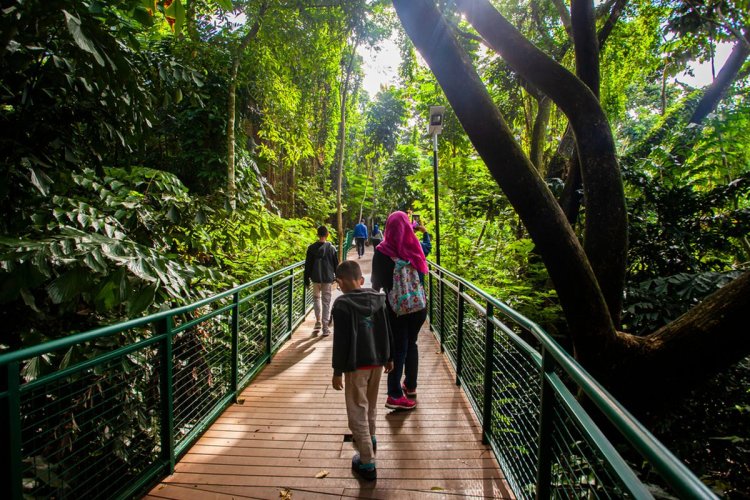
(723, 80)
(605, 233)
(577, 287)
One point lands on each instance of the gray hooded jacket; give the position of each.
(361, 333)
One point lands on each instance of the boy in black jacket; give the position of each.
(361, 349)
(320, 265)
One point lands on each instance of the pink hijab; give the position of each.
(401, 242)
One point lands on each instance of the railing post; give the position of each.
(431, 299)
(235, 343)
(544, 465)
(269, 319)
(489, 370)
(10, 440)
(460, 334)
(290, 298)
(167, 395)
(442, 312)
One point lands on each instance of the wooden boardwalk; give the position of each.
(287, 437)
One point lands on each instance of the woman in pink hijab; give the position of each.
(400, 243)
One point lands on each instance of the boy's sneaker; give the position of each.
(317, 325)
(411, 393)
(402, 403)
(365, 471)
(326, 333)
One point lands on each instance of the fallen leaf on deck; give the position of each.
(437, 488)
(322, 474)
(241, 401)
(285, 494)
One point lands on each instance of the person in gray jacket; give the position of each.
(362, 346)
(320, 266)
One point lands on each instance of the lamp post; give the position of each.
(434, 128)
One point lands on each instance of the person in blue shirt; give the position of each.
(360, 236)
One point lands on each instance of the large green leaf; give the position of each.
(176, 11)
(141, 300)
(68, 286)
(74, 27)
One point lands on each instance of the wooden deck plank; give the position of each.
(289, 425)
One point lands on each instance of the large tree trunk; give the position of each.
(564, 160)
(577, 287)
(536, 151)
(605, 233)
(708, 338)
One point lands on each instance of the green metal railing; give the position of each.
(521, 384)
(112, 409)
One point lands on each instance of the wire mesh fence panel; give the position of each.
(201, 370)
(472, 355)
(93, 431)
(516, 390)
(91, 415)
(449, 323)
(579, 469)
(280, 323)
(435, 319)
(251, 331)
(298, 296)
(308, 297)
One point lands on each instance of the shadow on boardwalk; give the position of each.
(290, 426)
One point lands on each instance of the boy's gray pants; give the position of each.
(322, 293)
(361, 395)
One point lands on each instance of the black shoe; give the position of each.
(367, 472)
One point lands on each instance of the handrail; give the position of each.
(56, 345)
(671, 469)
(112, 422)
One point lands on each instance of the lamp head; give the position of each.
(435, 125)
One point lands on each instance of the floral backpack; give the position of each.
(407, 295)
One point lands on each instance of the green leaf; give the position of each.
(66, 359)
(32, 369)
(40, 180)
(173, 214)
(74, 27)
(176, 11)
(29, 300)
(225, 4)
(68, 286)
(141, 300)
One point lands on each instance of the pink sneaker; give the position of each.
(401, 403)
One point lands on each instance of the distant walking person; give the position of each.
(400, 256)
(321, 262)
(376, 236)
(361, 349)
(360, 235)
